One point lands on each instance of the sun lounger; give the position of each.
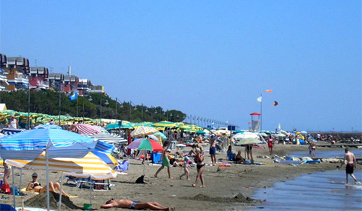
(95, 185)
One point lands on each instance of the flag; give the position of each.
(259, 99)
(268, 90)
(275, 103)
(74, 96)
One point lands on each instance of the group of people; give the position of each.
(198, 159)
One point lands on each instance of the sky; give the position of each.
(210, 59)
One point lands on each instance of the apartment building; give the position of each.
(84, 86)
(96, 89)
(3, 74)
(55, 80)
(70, 83)
(18, 70)
(38, 78)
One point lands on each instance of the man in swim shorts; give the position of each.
(212, 150)
(137, 205)
(351, 164)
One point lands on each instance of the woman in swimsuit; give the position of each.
(200, 165)
(35, 187)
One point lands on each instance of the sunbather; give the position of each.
(35, 187)
(123, 203)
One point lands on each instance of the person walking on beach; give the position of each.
(351, 164)
(165, 161)
(186, 165)
(270, 145)
(212, 150)
(200, 165)
(137, 205)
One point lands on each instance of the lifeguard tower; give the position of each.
(255, 121)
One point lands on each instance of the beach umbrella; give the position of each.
(245, 135)
(145, 144)
(153, 137)
(52, 139)
(107, 158)
(143, 131)
(87, 129)
(200, 132)
(163, 136)
(246, 141)
(165, 124)
(90, 166)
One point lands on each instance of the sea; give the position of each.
(317, 191)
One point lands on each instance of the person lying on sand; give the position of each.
(123, 203)
(35, 187)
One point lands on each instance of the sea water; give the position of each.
(317, 191)
(327, 154)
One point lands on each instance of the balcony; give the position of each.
(3, 77)
(19, 80)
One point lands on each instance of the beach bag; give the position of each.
(141, 179)
(5, 188)
(15, 192)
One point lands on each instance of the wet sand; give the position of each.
(225, 189)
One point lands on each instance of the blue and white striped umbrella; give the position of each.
(29, 144)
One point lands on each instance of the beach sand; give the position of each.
(227, 188)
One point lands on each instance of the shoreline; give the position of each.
(221, 183)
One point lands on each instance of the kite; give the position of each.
(275, 103)
(268, 90)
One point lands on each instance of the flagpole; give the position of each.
(261, 112)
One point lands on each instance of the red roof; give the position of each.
(255, 114)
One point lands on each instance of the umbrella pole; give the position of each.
(21, 173)
(90, 190)
(60, 193)
(47, 172)
(13, 192)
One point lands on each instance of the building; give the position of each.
(55, 80)
(38, 78)
(18, 70)
(3, 74)
(96, 89)
(84, 86)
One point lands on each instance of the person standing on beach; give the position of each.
(7, 172)
(13, 123)
(165, 161)
(351, 164)
(213, 149)
(270, 145)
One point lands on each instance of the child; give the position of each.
(185, 166)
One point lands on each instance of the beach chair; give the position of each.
(95, 185)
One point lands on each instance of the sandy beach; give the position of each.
(226, 188)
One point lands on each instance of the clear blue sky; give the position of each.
(211, 59)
